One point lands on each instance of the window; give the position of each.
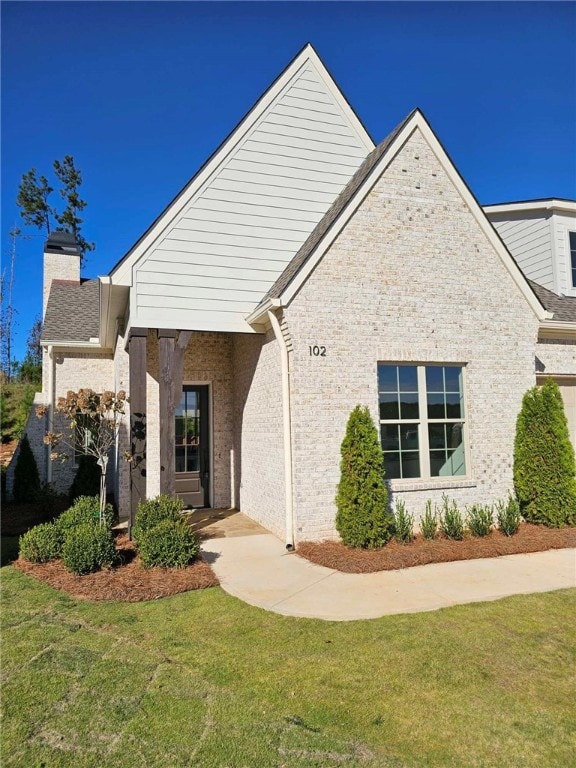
(422, 420)
(187, 431)
(83, 436)
(572, 236)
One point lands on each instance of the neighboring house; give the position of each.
(541, 235)
(302, 271)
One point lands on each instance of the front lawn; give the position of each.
(201, 679)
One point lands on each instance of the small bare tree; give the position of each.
(93, 421)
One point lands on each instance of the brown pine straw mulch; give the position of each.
(129, 582)
(393, 556)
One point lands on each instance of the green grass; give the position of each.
(202, 679)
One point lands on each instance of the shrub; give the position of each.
(544, 469)
(403, 523)
(480, 519)
(88, 547)
(154, 511)
(508, 516)
(41, 543)
(26, 477)
(429, 522)
(451, 523)
(85, 510)
(170, 544)
(363, 518)
(87, 479)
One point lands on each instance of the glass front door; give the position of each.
(191, 451)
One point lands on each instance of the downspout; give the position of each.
(287, 429)
(50, 410)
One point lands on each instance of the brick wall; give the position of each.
(76, 370)
(556, 357)
(411, 278)
(258, 434)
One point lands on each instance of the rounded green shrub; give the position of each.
(169, 544)
(41, 543)
(544, 468)
(26, 478)
(86, 509)
(363, 518)
(154, 511)
(88, 547)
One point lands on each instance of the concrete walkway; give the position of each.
(258, 570)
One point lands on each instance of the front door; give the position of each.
(192, 455)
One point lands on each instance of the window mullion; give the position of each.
(423, 428)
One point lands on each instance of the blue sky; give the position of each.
(140, 93)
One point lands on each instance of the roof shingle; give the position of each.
(72, 312)
(563, 307)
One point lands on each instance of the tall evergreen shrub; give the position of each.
(544, 469)
(363, 518)
(26, 477)
(87, 479)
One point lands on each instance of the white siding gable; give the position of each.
(536, 234)
(528, 237)
(563, 224)
(213, 262)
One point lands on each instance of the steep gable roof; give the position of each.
(306, 59)
(351, 197)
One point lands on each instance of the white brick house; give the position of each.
(303, 271)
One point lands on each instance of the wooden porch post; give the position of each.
(171, 348)
(137, 395)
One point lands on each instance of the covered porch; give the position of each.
(201, 425)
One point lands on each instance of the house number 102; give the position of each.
(317, 351)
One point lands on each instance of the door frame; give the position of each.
(210, 425)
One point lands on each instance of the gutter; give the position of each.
(262, 309)
(557, 328)
(289, 501)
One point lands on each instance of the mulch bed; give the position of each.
(529, 538)
(129, 582)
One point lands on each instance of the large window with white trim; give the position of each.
(422, 420)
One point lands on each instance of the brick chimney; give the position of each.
(61, 262)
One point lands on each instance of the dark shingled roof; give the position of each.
(563, 307)
(309, 245)
(72, 312)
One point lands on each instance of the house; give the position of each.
(304, 270)
(541, 236)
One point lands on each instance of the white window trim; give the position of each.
(426, 480)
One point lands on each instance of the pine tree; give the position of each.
(33, 200)
(544, 469)
(26, 477)
(363, 518)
